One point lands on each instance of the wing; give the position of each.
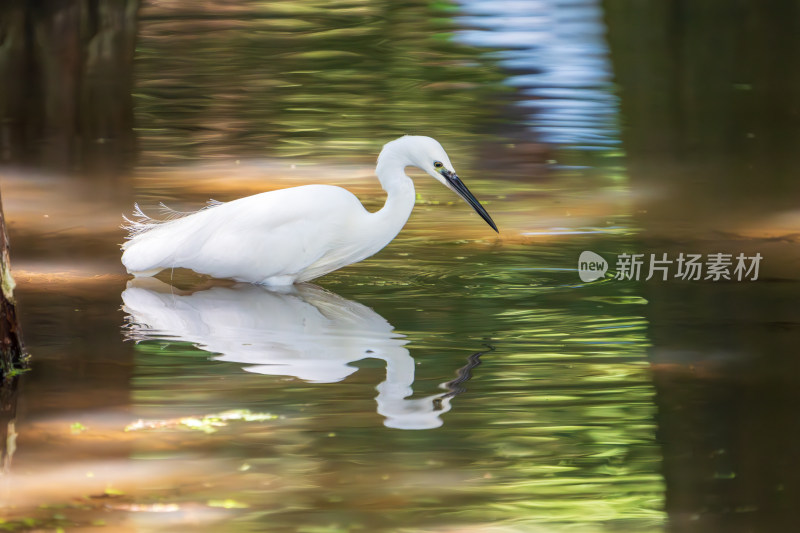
(277, 233)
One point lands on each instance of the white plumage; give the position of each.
(290, 235)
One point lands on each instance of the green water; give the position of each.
(458, 380)
(555, 428)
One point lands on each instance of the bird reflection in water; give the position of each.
(302, 331)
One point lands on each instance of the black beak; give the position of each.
(458, 186)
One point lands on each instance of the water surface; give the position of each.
(458, 380)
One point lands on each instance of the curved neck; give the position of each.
(400, 198)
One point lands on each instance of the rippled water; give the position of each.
(458, 380)
(342, 416)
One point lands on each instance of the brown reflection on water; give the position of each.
(66, 100)
(54, 220)
(710, 98)
(711, 139)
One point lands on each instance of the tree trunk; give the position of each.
(67, 71)
(12, 352)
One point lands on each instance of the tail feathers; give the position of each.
(172, 214)
(138, 224)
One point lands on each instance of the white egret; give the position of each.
(291, 235)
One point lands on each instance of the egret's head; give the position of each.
(427, 154)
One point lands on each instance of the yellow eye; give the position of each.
(437, 164)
